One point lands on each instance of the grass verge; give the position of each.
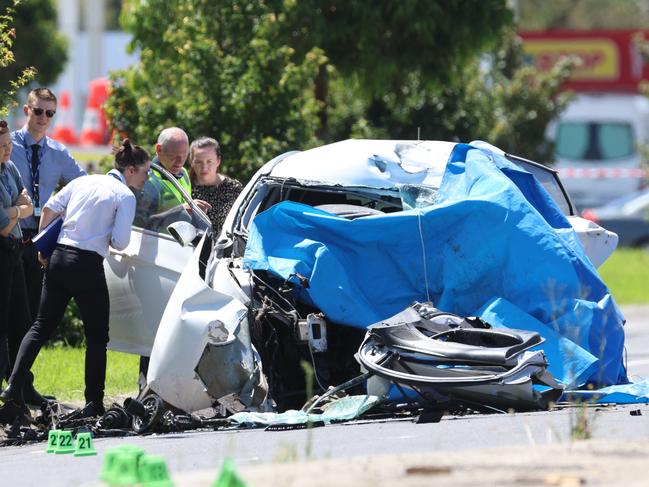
(626, 273)
(59, 371)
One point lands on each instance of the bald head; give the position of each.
(172, 149)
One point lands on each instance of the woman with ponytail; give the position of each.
(97, 211)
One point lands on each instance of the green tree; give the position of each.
(449, 70)
(265, 76)
(497, 98)
(219, 69)
(37, 41)
(12, 80)
(379, 48)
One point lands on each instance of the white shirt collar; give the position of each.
(116, 173)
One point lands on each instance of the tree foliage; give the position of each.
(498, 99)
(266, 76)
(11, 80)
(219, 69)
(37, 40)
(380, 42)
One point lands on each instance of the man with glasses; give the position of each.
(43, 163)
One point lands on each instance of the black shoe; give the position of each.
(10, 411)
(13, 394)
(32, 397)
(92, 409)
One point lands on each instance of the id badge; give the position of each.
(37, 212)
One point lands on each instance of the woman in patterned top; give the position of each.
(208, 185)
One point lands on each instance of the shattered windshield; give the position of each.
(417, 196)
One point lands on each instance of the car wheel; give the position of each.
(154, 409)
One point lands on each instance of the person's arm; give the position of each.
(8, 220)
(202, 204)
(21, 208)
(56, 205)
(47, 217)
(123, 220)
(24, 204)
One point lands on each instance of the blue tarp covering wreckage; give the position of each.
(493, 245)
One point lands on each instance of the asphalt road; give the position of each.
(192, 451)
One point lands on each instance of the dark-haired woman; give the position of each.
(208, 185)
(97, 212)
(14, 307)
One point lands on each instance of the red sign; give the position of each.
(609, 59)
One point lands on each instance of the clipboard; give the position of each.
(46, 239)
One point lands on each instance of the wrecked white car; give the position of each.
(229, 318)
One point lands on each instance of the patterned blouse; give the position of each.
(221, 197)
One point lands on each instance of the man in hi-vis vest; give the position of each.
(160, 202)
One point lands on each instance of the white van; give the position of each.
(599, 140)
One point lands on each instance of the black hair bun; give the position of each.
(127, 146)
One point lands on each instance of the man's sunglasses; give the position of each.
(39, 111)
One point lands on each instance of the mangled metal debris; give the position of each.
(421, 360)
(443, 359)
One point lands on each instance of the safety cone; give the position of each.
(120, 466)
(95, 129)
(83, 446)
(52, 441)
(64, 128)
(65, 442)
(228, 476)
(153, 472)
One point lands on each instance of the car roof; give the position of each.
(368, 163)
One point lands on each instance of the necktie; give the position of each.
(35, 176)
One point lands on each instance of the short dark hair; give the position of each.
(130, 155)
(41, 94)
(4, 128)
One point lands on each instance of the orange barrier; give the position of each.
(95, 129)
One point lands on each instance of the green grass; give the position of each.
(59, 371)
(626, 273)
(94, 161)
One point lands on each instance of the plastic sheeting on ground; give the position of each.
(637, 392)
(494, 244)
(343, 409)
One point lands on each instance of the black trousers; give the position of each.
(15, 318)
(78, 274)
(33, 272)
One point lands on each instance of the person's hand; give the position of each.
(203, 205)
(43, 260)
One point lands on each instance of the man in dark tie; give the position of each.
(43, 163)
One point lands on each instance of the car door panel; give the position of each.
(140, 281)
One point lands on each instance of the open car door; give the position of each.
(141, 277)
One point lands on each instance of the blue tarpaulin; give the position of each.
(493, 245)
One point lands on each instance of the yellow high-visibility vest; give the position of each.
(168, 195)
